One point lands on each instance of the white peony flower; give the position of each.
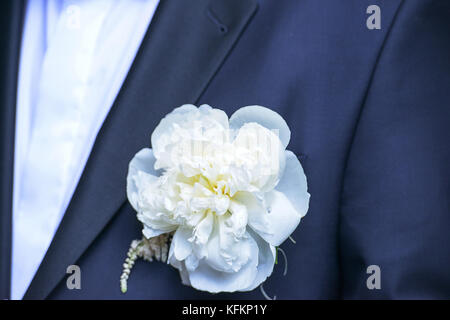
(228, 190)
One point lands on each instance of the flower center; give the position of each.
(213, 194)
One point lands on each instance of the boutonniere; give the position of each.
(216, 196)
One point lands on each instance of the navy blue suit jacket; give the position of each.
(369, 112)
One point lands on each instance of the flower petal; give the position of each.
(180, 266)
(180, 246)
(165, 126)
(266, 260)
(154, 226)
(227, 249)
(142, 162)
(257, 213)
(273, 218)
(293, 184)
(260, 154)
(203, 229)
(282, 216)
(263, 116)
(182, 127)
(207, 278)
(149, 232)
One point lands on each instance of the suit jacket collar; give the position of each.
(11, 25)
(185, 45)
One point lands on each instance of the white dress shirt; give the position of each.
(75, 56)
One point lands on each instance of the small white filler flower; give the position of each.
(220, 193)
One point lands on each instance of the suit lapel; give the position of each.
(10, 38)
(186, 43)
